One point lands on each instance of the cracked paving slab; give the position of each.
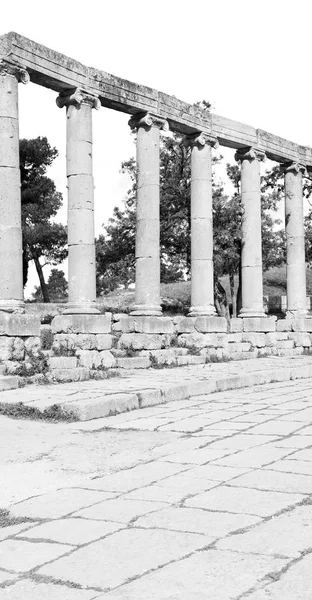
(129, 512)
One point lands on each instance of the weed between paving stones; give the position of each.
(53, 413)
(6, 520)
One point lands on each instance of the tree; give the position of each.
(43, 239)
(57, 287)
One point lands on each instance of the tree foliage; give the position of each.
(44, 241)
(57, 287)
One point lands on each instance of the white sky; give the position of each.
(251, 59)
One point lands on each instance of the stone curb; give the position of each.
(124, 401)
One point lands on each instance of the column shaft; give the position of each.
(202, 288)
(11, 251)
(295, 248)
(81, 246)
(251, 260)
(147, 252)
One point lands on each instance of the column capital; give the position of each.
(148, 120)
(200, 139)
(250, 153)
(17, 71)
(76, 98)
(294, 167)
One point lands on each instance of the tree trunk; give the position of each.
(239, 290)
(220, 301)
(233, 299)
(43, 284)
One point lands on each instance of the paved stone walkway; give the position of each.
(209, 497)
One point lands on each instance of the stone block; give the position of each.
(137, 362)
(108, 361)
(85, 341)
(215, 355)
(62, 362)
(190, 360)
(211, 324)
(185, 325)
(149, 398)
(124, 323)
(300, 339)
(6, 348)
(265, 324)
(235, 337)
(89, 358)
(255, 339)
(82, 323)
(140, 341)
(290, 351)
(270, 339)
(188, 340)
(33, 345)
(236, 325)
(284, 325)
(18, 349)
(154, 325)
(243, 347)
(174, 392)
(216, 340)
(77, 374)
(104, 341)
(302, 325)
(19, 325)
(9, 382)
(95, 408)
(282, 335)
(285, 344)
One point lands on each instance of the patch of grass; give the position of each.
(6, 520)
(33, 365)
(54, 413)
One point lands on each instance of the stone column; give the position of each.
(295, 249)
(147, 255)
(81, 247)
(11, 250)
(252, 283)
(202, 288)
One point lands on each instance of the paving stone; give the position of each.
(73, 531)
(276, 427)
(266, 479)
(31, 590)
(294, 584)
(57, 504)
(108, 404)
(119, 510)
(213, 525)
(5, 577)
(246, 501)
(211, 574)
(219, 473)
(197, 456)
(123, 555)
(20, 556)
(254, 457)
(130, 479)
(288, 535)
(242, 441)
(173, 492)
(6, 532)
(292, 466)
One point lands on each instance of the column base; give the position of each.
(75, 308)
(246, 313)
(146, 310)
(202, 311)
(12, 306)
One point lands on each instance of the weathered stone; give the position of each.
(300, 339)
(89, 358)
(62, 362)
(243, 347)
(259, 324)
(281, 335)
(215, 355)
(186, 325)
(284, 325)
(140, 341)
(149, 398)
(20, 325)
(190, 360)
(188, 340)
(18, 349)
(108, 361)
(153, 325)
(270, 339)
(82, 323)
(162, 357)
(33, 345)
(236, 325)
(104, 341)
(77, 374)
(285, 344)
(109, 404)
(6, 348)
(235, 337)
(124, 323)
(255, 339)
(138, 362)
(211, 324)
(85, 341)
(302, 325)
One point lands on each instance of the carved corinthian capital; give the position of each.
(77, 98)
(250, 154)
(200, 140)
(148, 120)
(15, 70)
(294, 167)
